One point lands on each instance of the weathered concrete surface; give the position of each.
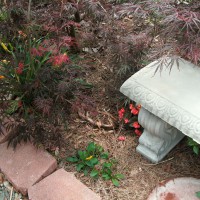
(61, 185)
(158, 137)
(25, 165)
(172, 95)
(184, 188)
(170, 105)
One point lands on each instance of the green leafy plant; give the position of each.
(87, 160)
(90, 162)
(107, 173)
(195, 146)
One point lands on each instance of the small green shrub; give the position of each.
(90, 161)
(107, 173)
(195, 146)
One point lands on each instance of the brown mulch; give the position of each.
(141, 176)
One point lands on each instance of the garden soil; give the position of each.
(141, 176)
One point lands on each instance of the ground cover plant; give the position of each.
(91, 161)
(61, 69)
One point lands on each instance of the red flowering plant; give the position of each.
(31, 58)
(36, 81)
(129, 118)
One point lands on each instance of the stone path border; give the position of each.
(30, 170)
(61, 185)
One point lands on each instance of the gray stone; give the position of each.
(158, 137)
(171, 105)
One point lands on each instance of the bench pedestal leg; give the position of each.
(158, 137)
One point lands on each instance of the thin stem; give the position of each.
(29, 10)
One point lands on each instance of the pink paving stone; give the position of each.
(184, 188)
(25, 165)
(61, 185)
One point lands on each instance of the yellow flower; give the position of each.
(4, 47)
(89, 158)
(5, 61)
(2, 77)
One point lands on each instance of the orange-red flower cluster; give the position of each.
(59, 60)
(136, 125)
(121, 138)
(126, 121)
(138, 132)
(134, 110)
(38, 51)
(121, 113)
(20, 68)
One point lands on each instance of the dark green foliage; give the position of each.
(90, 161)
(195, 146)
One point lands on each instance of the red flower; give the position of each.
(131, 106)
(134, 111)
(21, 65)
(121, 138)
(122, 110)
(138, 132)
(126, 121)
(136, 125)
(59, 60)
(138, 107)
(121, 113)
(20, 68)
(36, 52)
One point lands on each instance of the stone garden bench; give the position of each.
(170, 103)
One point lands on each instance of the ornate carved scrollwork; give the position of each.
(158, 137)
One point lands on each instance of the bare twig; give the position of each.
(158, 163)
(11, 193)
(29, 10)
(108, 114)
(97, 124)
(102, 7)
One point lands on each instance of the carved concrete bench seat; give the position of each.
(170, 103)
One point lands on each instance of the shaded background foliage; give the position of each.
(150, 30)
